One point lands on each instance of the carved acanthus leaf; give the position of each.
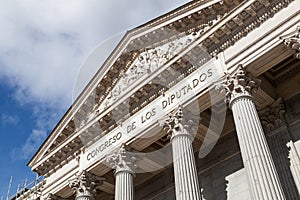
(292, 40)
(174, 123)
(85, 184)
(238, 84)
(122, 160)
(272, 117)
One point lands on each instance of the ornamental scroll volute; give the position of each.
(272, 117)
(292, 40)
(175, 124)
(122, 160)
(240, 83)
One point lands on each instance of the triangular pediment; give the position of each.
(140, 54)
(144, 65)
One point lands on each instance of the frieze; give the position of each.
(228, 40)
(146, 63)
(132, 127)
(242, 30)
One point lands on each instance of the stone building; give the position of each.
(200, 103)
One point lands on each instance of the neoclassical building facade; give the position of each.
(200, 103)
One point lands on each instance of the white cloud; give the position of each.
(45, 119)
(34, 140)
(43, 43)
(7, 119)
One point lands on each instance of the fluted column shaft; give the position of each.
(123, 161)
(186, 177)
(278, 138)
(124, 185)
(295, 164)
(262, 176)
(280, 152)
(84, 196)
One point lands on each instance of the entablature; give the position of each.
(216, 26)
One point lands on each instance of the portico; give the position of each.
(178, 111)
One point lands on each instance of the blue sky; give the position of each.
(42, 47)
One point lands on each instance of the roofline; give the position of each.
(125, 37)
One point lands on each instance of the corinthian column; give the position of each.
(262, 176)
(84, 185)
(279, 139)
(123, 163)
(186, 178)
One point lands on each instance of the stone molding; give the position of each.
(145, 63)
(51, 196)
(292, 40)
(258, 19)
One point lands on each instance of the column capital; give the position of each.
(122, 160)
(272, 117)
(85, 184)
(174, 123)
(239, 84)
(185, 173)
(292, 40)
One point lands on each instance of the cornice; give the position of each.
(62, 124)
(232, 27)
